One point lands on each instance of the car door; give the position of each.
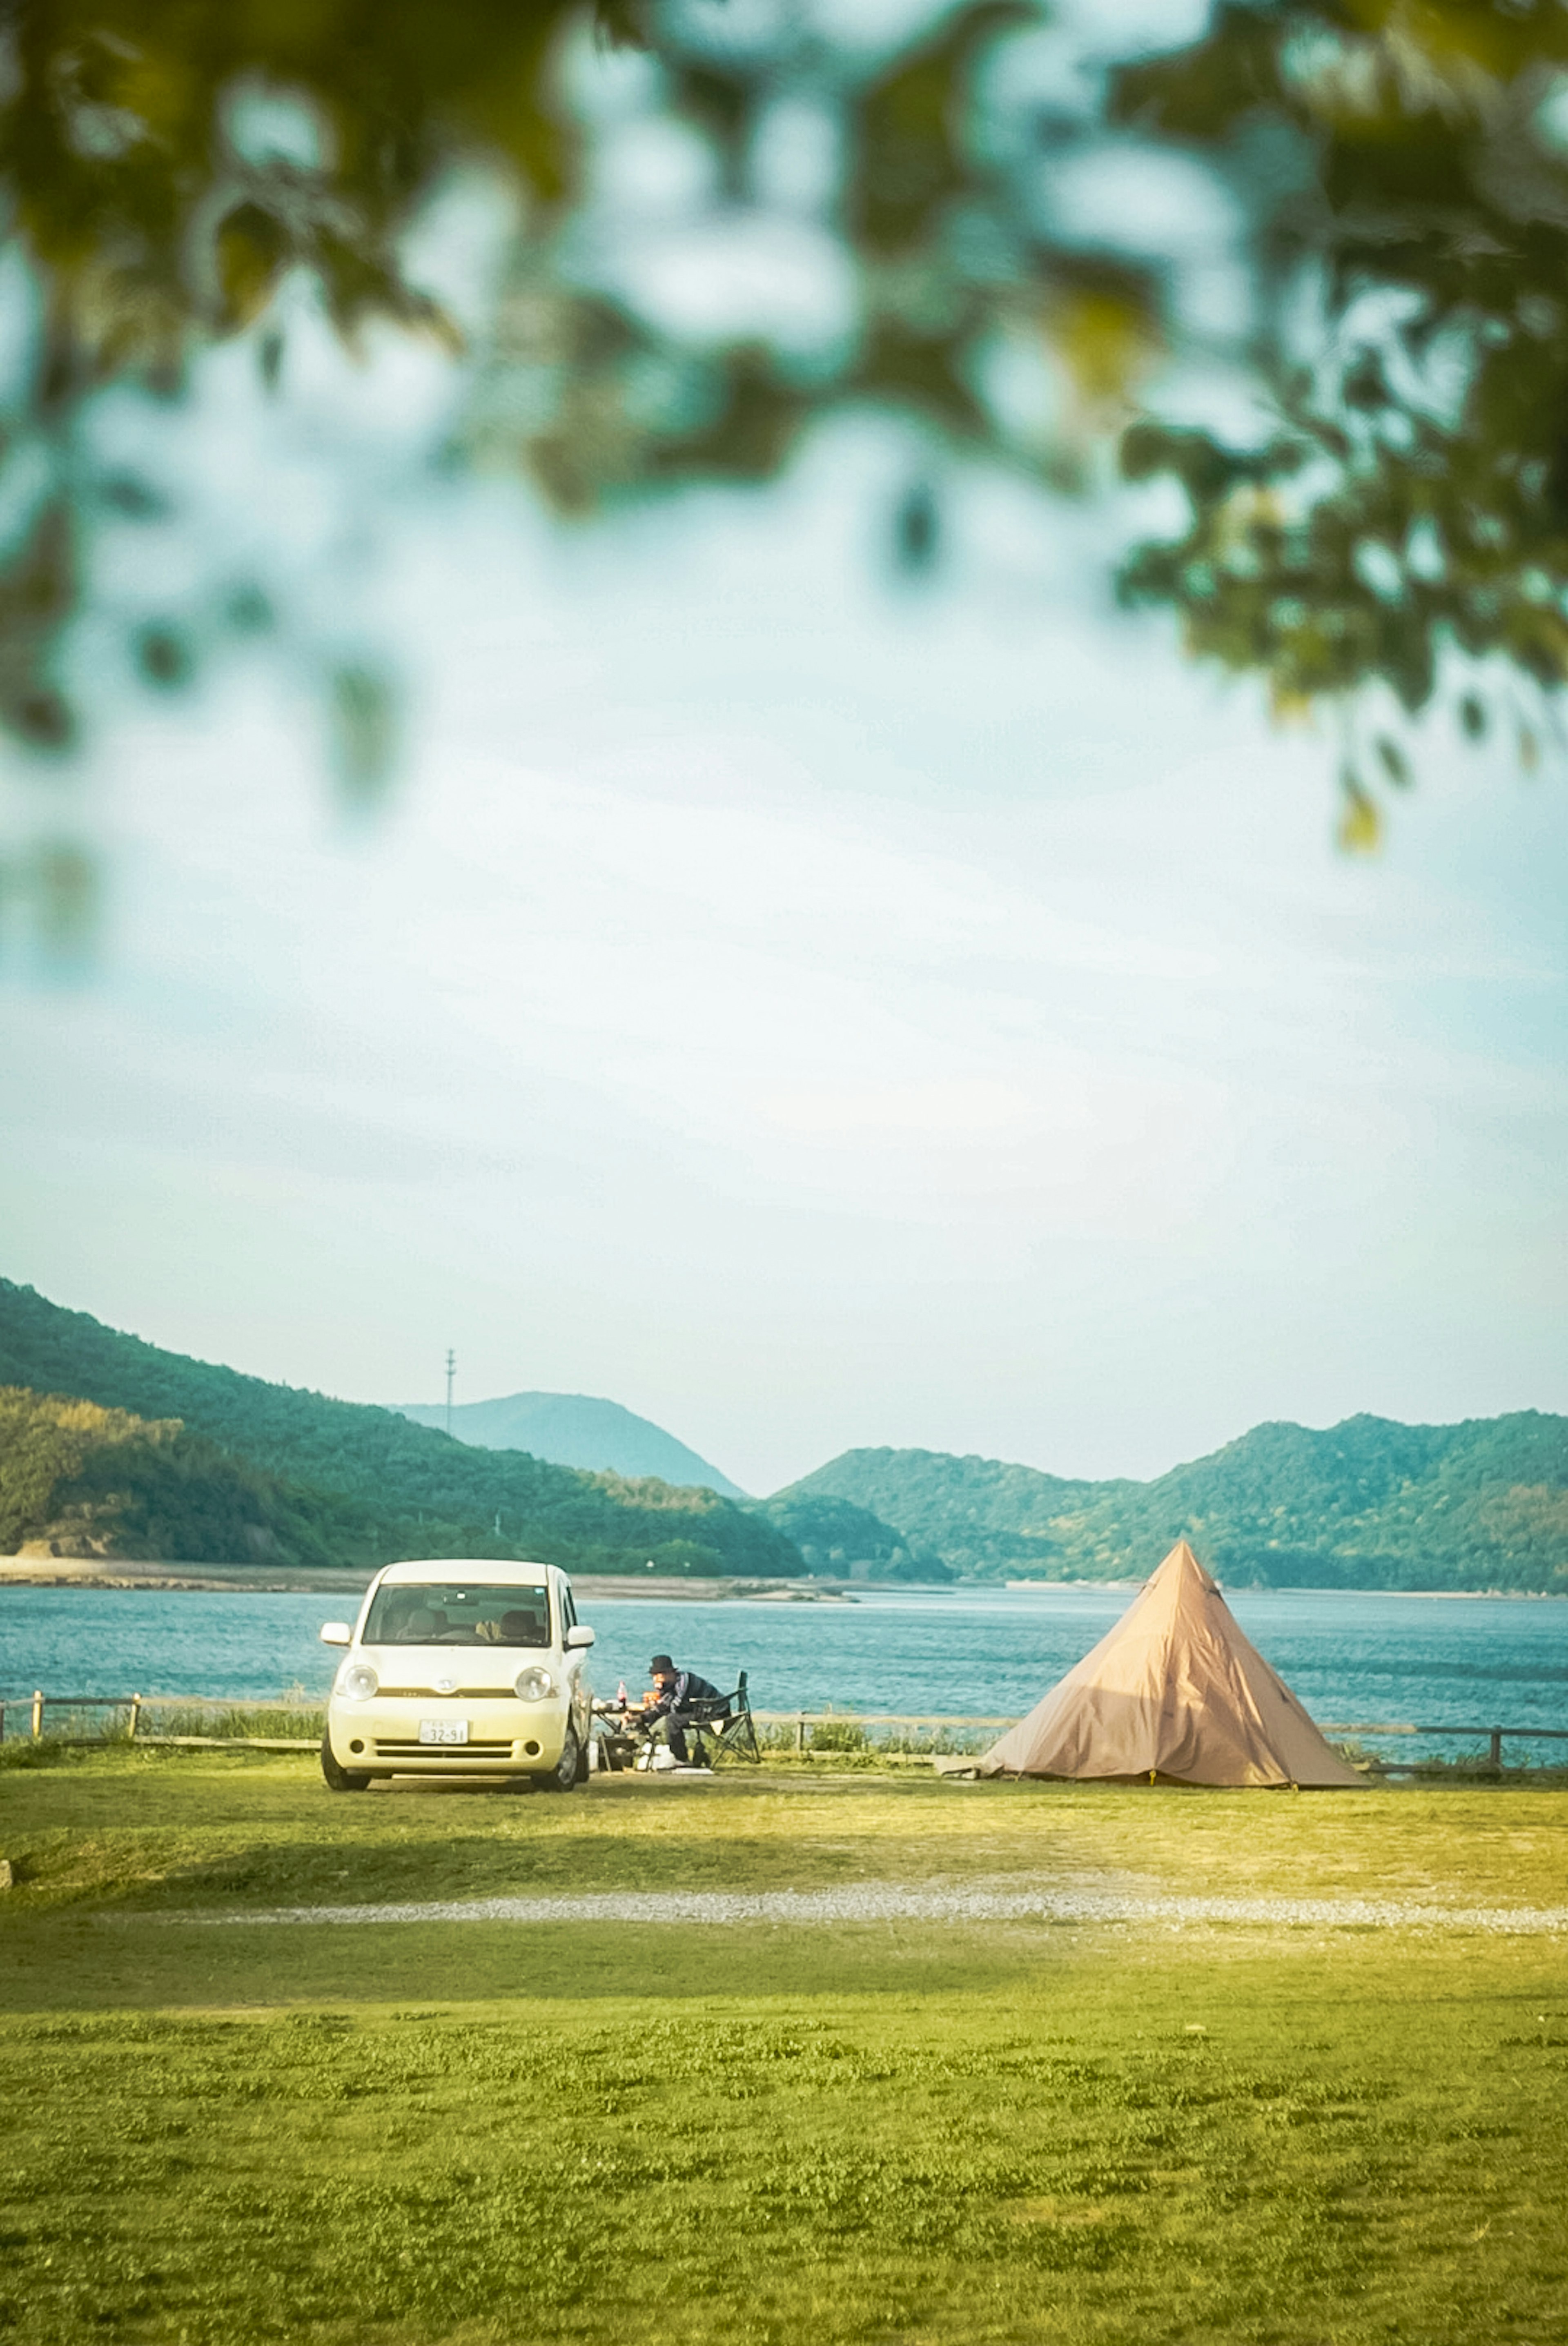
(576, 1665)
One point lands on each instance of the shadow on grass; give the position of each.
(137, 1961)
(430, 1863)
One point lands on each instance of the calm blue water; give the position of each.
(1435, 1660)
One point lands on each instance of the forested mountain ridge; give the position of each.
(81, 1480)
(1366, 1503)
(980, 1516)
(842, 1541)
(199, 1463)
(388, 1487)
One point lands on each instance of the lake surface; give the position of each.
(1469, 1661)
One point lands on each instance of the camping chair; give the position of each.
(720, 1727)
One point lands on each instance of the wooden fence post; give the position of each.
(801, 1732)
(1495, 1754)
(37, 1712)
(135, 1716)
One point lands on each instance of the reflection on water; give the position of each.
(1465, 1661)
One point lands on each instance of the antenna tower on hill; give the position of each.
(450, 1373)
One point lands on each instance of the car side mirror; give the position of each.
(336, 1633)
(581, 1636)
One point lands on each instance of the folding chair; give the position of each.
(720, 1727)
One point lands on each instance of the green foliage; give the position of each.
(1401, 500)
(34, 1753)
(293, 1716)
(261, 1470)
(170, 168)
(839, 1735)
(1391, 530)
(1368, 1504)
(982, 1516)
(94, 1481)
(839, 1539)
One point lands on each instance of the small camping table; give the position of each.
(628, 1729)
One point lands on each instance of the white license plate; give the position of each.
(443, 1730)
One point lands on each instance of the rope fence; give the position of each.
(169, 1719)
(153, 1718)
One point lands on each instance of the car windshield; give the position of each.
(455, 1613)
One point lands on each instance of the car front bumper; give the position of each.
(381, 1737)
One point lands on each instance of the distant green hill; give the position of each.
(382, 1486)
(78, 1480)
(983, 1518)
(845, 1542)
(1368, 1503)
(576, 1430)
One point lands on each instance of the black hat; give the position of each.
(662, 1662)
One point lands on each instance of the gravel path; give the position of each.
(890, 1902)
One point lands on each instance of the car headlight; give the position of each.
(534, 1684)
(359, 1682)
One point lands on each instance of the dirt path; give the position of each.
(884, 1903)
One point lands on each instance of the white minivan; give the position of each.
(457, 1668)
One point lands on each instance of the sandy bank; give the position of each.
(122, 1571)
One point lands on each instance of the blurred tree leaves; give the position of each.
(1387, 527)
(364, 724)
(38, 595)
(1393, 530)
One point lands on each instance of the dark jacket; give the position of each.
(687, 1689)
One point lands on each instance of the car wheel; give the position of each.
(564, 1774)
(340, 1780)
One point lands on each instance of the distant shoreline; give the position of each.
(1306, 1588)
(127, 1572)
(261, 1579)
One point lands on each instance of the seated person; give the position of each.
(674, 1693)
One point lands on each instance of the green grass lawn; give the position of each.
(878, 2136)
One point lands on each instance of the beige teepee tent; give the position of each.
(1175, 1688)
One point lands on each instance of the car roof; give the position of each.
(424, 1571)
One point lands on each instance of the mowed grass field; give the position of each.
(220, 2128)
